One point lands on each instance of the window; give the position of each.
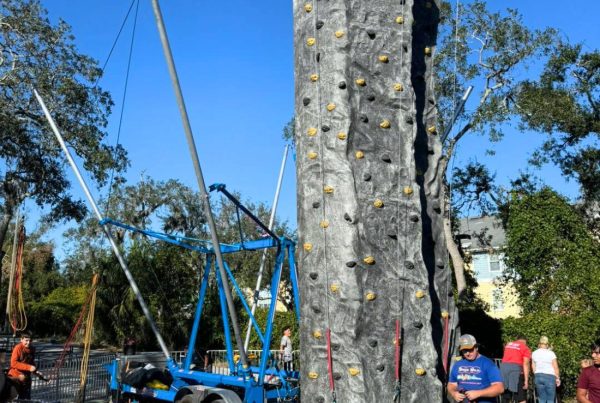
(497, 301)
(495, 266)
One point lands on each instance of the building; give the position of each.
(482, 239)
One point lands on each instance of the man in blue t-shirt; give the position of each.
(475, 378)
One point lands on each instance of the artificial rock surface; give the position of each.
(372, 252)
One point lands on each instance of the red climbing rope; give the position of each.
(397, 350)
(446, 343)
(16, 305)
(330, 364)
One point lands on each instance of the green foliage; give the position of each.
(554, 263)
(57, 312)
(281, 322)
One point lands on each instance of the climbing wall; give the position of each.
(374, 278)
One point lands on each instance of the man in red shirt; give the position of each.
(588, 385)
(22, 365)
(515, 370)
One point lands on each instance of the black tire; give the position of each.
(190, 399)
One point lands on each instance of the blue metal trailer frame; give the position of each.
(250, 382)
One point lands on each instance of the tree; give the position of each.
(553, 262)
(36, 54)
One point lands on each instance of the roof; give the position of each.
(485, 232)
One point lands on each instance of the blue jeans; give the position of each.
(545, 386)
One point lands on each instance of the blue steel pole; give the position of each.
(198, 314)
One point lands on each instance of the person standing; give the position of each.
(545, 369)
(515, 370)
(475, 378)
(285, 349)
(588, 384)
(22, 366)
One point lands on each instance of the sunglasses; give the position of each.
(467, 350)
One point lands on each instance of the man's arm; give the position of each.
(495, 389)
(526, 372)
(556, 371)
(15, 363)
(582, 396)
(453, 391)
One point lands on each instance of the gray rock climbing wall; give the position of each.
(372, 254)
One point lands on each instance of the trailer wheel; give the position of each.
(190, 399)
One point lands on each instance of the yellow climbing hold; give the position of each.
(359, 155)
(313, 375)
(371, 296)
(312, 155)
(398, 87)
(308, 7)
(334, 287)
(419, 294)
(311, 41)
(445, 314)
(385, 124)
(428, 51)
(307, 246)
(420, 371)
(342, 136)
(361, 81)
(432, 130)
(328, 189)
(399, 19)
(378, 203)
(317, 334)
(312, 131)
(383, 59)
(324, 224)
(339, 34)
(330, 106)
(369, 260)
(407, 190)
(353, 371)
(314, 77)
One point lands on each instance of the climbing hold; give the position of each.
(312, 155)
(378, 203)
(308, 246)
(371, 34)
(370, 296)
(306, 101)
(341, 136)
(373, 343)
(334, 287)
(308, 7)
(419, 294)
(359, 155)
(311, 131)
(432, 130)
(342, 85)
(317, 334)
(407, 190)
(392, 234)
(386, 158)
(370, 97)
(380, 367)
(311, 41)
(316, 204)
(353, 371)
(414, 217)
(399, 19)
(330, 106)
(428, 51)
(320, 24)
(445, 314)
(398, 87)
(409, 120)
(363, 118)
(420, 371)
(418, 325)
(313, 275)
(440, 263)
(366, 176)
(409, 265)
(314, 77)
(383, 59)
(339, 34)
(370, 260)
(313, 375)
(318, 57)
(335, 347)
(385, 124)
(325, 128)
(324, 224)
(347, 217)
(350, 263)
(328, 189)
(435, 205)
(361, 81)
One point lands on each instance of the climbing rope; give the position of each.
(87, 338)
(330, 366)
(16, 304)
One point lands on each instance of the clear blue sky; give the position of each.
(235, 62)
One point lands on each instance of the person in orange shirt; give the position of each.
(22, 366)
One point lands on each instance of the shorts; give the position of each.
(521, 393)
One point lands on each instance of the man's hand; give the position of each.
(458, 397)
(33, 368)
(526, 384)
(473, 394)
